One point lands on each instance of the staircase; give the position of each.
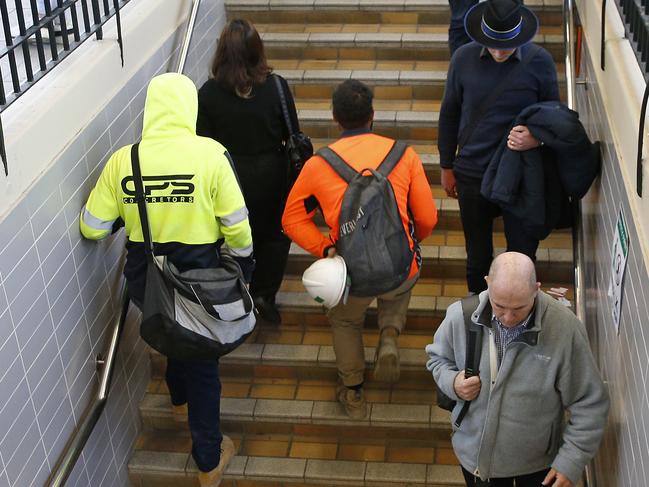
(279, 402)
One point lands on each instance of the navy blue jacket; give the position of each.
(472, 76)
(536, 184)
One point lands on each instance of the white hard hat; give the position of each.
(326, 281)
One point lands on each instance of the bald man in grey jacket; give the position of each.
(535, 365)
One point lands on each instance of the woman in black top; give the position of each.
(239, 106)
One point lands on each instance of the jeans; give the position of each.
(457, 36)
(529, 480)
(477, 214)
(198, 385)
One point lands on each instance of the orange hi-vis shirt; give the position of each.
(320, 186)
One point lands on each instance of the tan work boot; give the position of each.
(353, 401)
(213, 477)
(386, 361)
(179, 413)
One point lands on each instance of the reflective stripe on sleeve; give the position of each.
(235, 217)
(95, 223)
(242, 252)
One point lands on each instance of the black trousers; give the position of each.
(529, 480)
(477, 214)
(198, 385)
(263, 180)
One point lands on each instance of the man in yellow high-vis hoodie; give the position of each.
(196, 211)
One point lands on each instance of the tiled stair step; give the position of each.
(446, 261)
(302, 359)
(398, 124)
(427, 152)
(424, 302)
(424, 422)
(448, 212)
(155, 469)
(378, 46)
(364, 11)
(388, 84)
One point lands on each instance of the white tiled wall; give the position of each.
(59, 293)
(623, 460)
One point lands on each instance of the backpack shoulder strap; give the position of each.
(473, 347)
(474, 335)
(392, 158)
(337, 163)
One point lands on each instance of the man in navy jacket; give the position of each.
(501, 31)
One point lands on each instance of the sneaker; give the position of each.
(386, 362)
(267, 310)
(353, 401)
(213, 477)
(179, 413)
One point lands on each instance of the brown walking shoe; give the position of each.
(213, 477)
(353, 401)
(386, 361)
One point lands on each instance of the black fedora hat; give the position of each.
(501, 24)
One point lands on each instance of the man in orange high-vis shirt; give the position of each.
(319, 186)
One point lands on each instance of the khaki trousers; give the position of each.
(347, 320)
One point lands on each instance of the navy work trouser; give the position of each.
(198, 385)
(477, 215)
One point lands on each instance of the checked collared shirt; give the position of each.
(504, 335)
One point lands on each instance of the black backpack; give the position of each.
(472, 355)
(372, 238)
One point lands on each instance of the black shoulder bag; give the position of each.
(473, 355)
(298, 146)
(480, 112)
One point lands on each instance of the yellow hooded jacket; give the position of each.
(193, 196)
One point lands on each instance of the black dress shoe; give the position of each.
(267, 310)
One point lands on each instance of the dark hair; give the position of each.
(239, 61)
(352, 104)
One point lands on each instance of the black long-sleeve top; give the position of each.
(472, 76)
(245, 126)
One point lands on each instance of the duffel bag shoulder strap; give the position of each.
(140, 198)
(473, 347)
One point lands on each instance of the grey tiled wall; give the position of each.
(623, 460)
(60, 293)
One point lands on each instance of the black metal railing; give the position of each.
(635, 16)
(37, 39)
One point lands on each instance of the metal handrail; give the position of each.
(105, 366)
(75, 446)
(577, 228)
(188, 37)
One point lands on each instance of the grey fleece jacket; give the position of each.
(517, 425)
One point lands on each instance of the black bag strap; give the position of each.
(282, 99)
(480, 112)
(473, 347)
(140, 198)
(345, 171)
